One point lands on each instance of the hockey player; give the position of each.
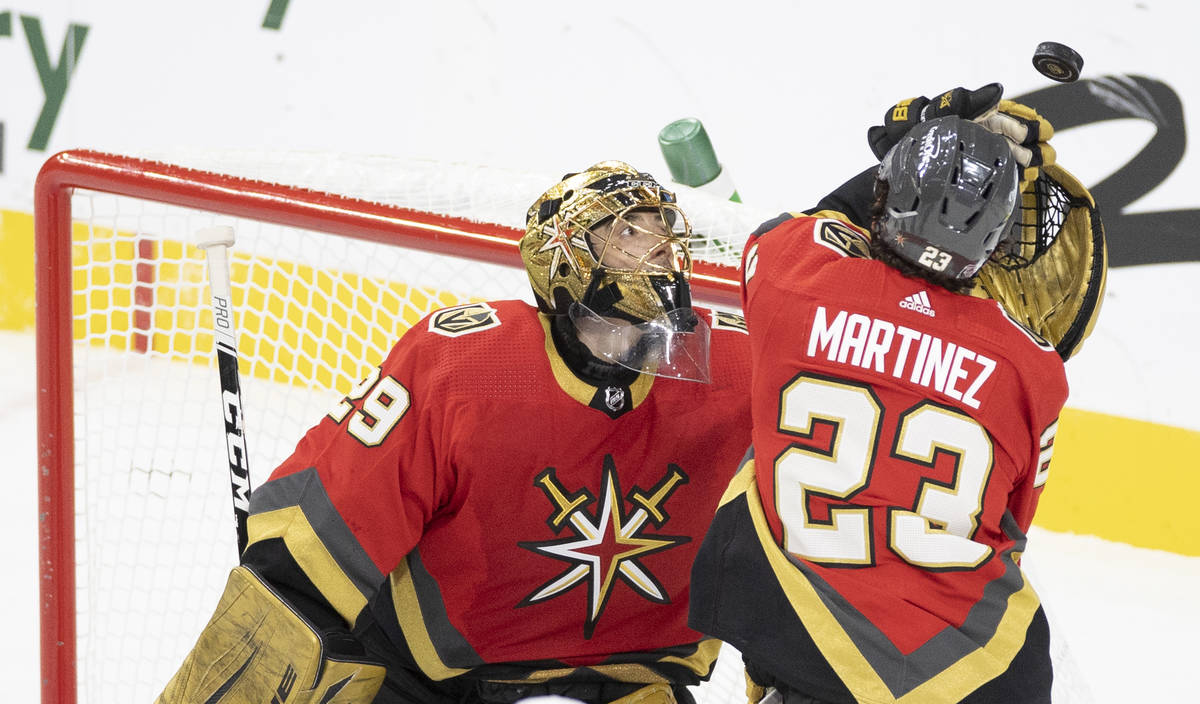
(904, 419)
(508, 506)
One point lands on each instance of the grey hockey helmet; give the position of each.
(952, 192)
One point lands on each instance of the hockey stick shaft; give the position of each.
(215, 241)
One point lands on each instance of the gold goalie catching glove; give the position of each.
(257, 649)
(1049, 272)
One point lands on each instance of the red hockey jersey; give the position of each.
(902, 436)
(519, 521)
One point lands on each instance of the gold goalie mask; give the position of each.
(608, 248)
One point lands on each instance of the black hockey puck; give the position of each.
(1058, 62)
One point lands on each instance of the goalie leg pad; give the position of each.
(256, 648)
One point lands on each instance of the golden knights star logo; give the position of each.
(559, 241)
(605, 545)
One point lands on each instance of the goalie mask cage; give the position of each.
(136, 525)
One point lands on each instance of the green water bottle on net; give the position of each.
(690, 157)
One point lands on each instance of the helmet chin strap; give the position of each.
(602, 296)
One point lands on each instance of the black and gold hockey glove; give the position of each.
(901, 117)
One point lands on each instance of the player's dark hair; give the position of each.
(882, 251)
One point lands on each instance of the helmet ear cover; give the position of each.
(951, 197)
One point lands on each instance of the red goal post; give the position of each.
(124, 288)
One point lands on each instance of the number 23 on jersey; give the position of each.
(935, 535)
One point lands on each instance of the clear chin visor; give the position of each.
(673, 345)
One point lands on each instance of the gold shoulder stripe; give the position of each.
(828, 214)
(310, 553)
(416, 635)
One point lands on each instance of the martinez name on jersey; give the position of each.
(889, 347)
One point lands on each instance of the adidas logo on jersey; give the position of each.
(919, 302)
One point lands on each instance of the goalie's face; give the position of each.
(637, 241)
(639, 265)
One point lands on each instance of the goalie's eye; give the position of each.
(634, 241)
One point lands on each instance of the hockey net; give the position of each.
(335, 258)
